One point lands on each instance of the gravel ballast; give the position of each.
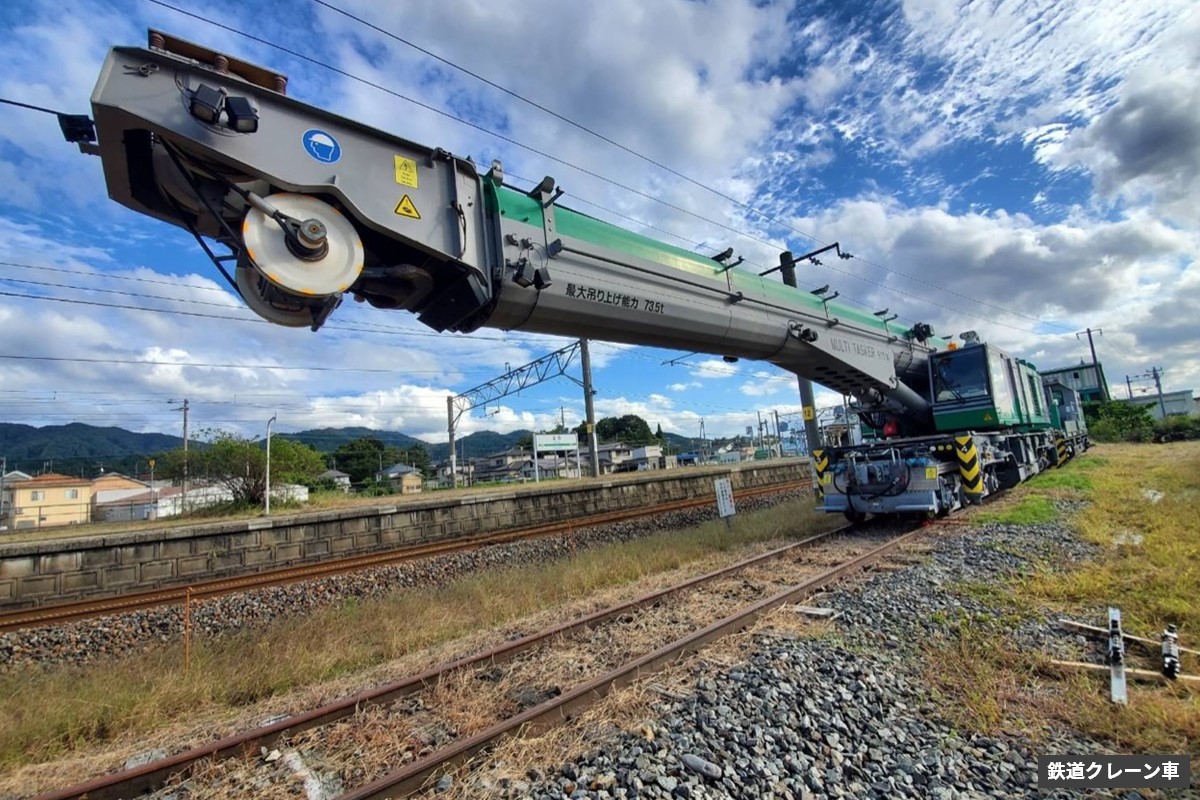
(848, 714)
(106, 637)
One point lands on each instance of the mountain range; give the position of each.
(85, 450)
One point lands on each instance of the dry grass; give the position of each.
(1148, 566)
(47, 716)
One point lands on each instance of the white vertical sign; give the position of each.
(724, 497)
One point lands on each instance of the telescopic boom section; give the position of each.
(306, 206)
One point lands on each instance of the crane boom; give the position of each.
(310, 206)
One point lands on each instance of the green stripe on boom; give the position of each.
(520, 206)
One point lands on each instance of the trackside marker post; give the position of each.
(725, 505)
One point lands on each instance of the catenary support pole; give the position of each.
(589, 407)
(453, 455)
(787, 268)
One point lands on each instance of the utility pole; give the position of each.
(594, 451)
(453, 454)
(1129, 387)
(183, 492)
(1156, 373)
(267, 510)
(778, 438)
(562, 417)
(703, 443)
(1103, 384)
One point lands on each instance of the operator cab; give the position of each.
(978, 387)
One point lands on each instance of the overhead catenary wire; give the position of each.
(660, 165)
(603, 178)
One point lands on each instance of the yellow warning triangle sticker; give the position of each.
(405, 208)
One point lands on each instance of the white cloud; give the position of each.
(1147, 145)
(683, 387)
(764, 384)
(713, 368)
(1054, 279)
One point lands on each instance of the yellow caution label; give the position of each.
(931, 473)
(405, 208)
(827, 478)
(406, 171)
(809, 413)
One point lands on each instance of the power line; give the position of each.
(596, 175)
(252, 320)
(740, 204)
(209, 365)
(106, 275)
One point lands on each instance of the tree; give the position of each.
(240, 464)
(630, 429)
(362, 458)
(1117, 421)
(295, 462)
(416, 456)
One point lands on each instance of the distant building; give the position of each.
(164, 500)
(1085, 378)
(339, 479)
(45, 501)
(1176, 403)
(403, 477)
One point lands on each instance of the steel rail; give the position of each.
(41, 616)
(152, 775)
(416, 775)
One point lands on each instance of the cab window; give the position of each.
(960, 375)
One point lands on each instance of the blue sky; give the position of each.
(1026, 170)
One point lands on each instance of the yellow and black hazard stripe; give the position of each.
(820, 468)
(1060, 445)
(969, 468)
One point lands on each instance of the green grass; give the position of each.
(990, 688)
(45, 714)
(1062, 479)
(1028, 509)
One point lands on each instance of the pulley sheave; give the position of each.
(324, 257)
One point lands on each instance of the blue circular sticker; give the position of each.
(322, 146)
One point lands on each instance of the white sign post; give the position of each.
(552, 441)
(725, 505)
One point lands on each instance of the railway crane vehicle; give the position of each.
(299, 207)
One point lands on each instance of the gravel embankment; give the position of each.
(848, 715)
(82, 642)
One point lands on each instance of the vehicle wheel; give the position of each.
(855, 517)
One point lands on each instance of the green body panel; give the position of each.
(1055, 417)
(517, 205)
(949, 420)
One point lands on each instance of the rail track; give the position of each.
(56, 614)
(417, 773)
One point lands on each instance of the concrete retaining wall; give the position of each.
(50, 571)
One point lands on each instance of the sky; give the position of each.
(1026, 170)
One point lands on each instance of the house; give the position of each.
(338, 478)
(649, 456)
(1087, 379)
(45, 501)
(115, 481)
(403, 477)
(6, 483)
